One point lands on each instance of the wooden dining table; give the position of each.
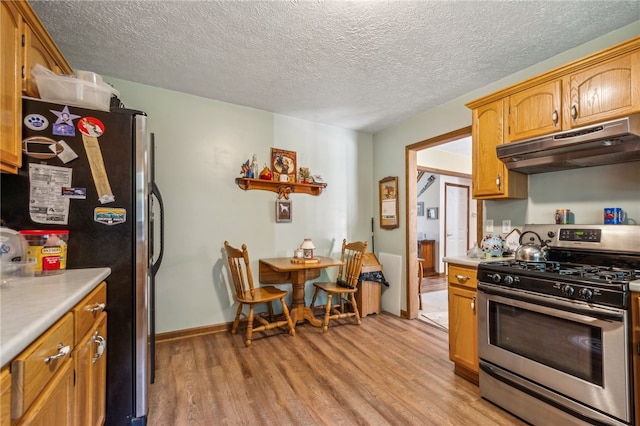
(282, 270)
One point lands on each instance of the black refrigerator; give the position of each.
(91, 172)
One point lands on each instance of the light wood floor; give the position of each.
(388, 371)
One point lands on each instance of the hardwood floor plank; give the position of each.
(388, 371)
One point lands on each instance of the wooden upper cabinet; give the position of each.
(604, 91)
(491, 178)
(10, 87)
(24, 42)
(535, 111)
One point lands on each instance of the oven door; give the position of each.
(572, 348)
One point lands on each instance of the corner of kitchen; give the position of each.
(113, 295)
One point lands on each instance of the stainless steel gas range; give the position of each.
(554, 336)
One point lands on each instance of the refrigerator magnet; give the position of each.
(109, 216)
(77, 193)
(91, 126)
(63, 126)
(36, 122)
(67, 153)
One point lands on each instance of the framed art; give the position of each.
(388, 188)
(432, 213)
(420, 208)
(283, 210)
(283, 165)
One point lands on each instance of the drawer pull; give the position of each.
(463, 278)
(62, 351)
(102, 345)
(98, 308)
(473, 305)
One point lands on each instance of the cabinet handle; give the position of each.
(62, 351)
(554, 117)
(102, 345)
(98, 308)
(574, 112)
(473, 305)
(462, 278)
(499, 180)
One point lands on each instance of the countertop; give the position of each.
(635, 285)
(473, 262)
(30, 305)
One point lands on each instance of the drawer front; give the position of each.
(463, 276)
(5, 397)
(89, 309)
(36, 365)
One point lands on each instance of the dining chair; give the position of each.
(247, 294)
(345, 286)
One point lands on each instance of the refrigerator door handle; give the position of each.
(155, 191)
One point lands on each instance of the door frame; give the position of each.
(411, 175)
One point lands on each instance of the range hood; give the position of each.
(611, 142)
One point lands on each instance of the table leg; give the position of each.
(299, 312)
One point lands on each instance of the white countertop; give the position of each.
(634, 285)
(29, 306)
(473, 262)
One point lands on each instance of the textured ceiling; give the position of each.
(361, 65)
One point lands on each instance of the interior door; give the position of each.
(456, 220)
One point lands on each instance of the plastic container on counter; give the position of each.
(45, 251)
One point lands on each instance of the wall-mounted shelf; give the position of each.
(283, 189)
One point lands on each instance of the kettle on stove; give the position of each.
(530, 251)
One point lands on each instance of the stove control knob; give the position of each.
(508, 280)
(586, 293)
(551, 234)
(496, 278)
(568, 290)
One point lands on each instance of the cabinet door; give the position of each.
(635, 309)
(605, 91)
(491, 179)
(55, 405)
(536, 111)
(10, 97)
(5, 397)
(36, 52)
(91, 375)
(463, 328)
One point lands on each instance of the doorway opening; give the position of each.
(413, 170)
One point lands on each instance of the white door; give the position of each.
(456, 220)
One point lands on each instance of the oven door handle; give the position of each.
(577, 307)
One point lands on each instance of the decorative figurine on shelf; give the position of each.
(304, 175)
(317, 179)
(266, 173)
(254, 166)
(246, 170)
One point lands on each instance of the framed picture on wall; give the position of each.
(283, 211)
(388, 188)
(432, 213)
(283, 165)
(420, 208)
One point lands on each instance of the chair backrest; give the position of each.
(240, 270)
(352, 256)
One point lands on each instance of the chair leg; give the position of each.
(420, 279)
(355, 308)
(313, 300)
(270, 306)
(285, 311)
(234, 328)
(247, 342)
(327, 313)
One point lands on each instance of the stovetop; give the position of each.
(588, 263)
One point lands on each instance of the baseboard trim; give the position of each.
(192, 332)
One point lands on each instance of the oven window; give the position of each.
(564, 345)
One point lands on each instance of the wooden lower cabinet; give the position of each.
(55, 405)
(5, 396)
(463, 321)
(91, 373)
(68, 389)
(635, 312)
